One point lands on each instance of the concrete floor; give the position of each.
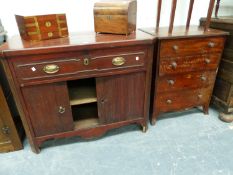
(182, 143)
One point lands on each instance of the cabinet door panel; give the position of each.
(120, 97)
(43, 104)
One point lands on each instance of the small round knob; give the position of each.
(50, 34)
(211, 44)
(175, 47)
(171, 82)
(199, 96)
(48, 24)
(203, 78)
(169, 101)
(173, 65)
(207, 61)
(61, 109)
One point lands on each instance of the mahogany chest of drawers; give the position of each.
(80, 86)
(223, 90)
(185, 68)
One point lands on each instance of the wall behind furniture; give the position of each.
(80, 12)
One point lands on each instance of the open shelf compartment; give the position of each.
(83, 102)
(82, 91)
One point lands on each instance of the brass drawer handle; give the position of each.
(86, 61)
(207, 61)
(118, 61)
(6, 130)
(61, 110)
(51, 68)
(171, 82)
(211, 44)
(173, 65)
(169, 101)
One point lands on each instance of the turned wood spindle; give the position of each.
(217, 8)
(209, 14)
(158, 14)
(172, 16)
(189, 14)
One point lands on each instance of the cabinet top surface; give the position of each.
(221, 19)
(76, 41)
(181, 32)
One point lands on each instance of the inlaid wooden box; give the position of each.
(42, 27)
(117, 17)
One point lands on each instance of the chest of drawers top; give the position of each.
(15, 46)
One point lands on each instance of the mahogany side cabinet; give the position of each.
(82, 85)
(11, 130)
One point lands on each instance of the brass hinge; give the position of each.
(6, 130)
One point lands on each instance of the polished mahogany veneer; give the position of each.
(82, 85)
(185, 68)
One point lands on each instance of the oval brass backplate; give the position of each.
(51, 68)
(118, 61)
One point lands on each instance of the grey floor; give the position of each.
(183, 143)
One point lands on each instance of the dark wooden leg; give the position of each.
(205, 109)
(144, 126)
(154, 118)
(35, 149)
(217, 8)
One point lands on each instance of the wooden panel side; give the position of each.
(222, 89)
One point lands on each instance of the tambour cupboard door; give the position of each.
(121, 97)
(48, 107)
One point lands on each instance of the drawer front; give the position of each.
(170, 48)
(185, 99)
(191, 80)
(188, 63)
(56, 68)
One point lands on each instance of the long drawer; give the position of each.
(171, 101)
(188, 63)
(181, 47)
(60, 67)
(189, 80)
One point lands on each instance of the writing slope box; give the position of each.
(42, 27)
(117, 17)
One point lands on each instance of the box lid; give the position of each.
(113, 7)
